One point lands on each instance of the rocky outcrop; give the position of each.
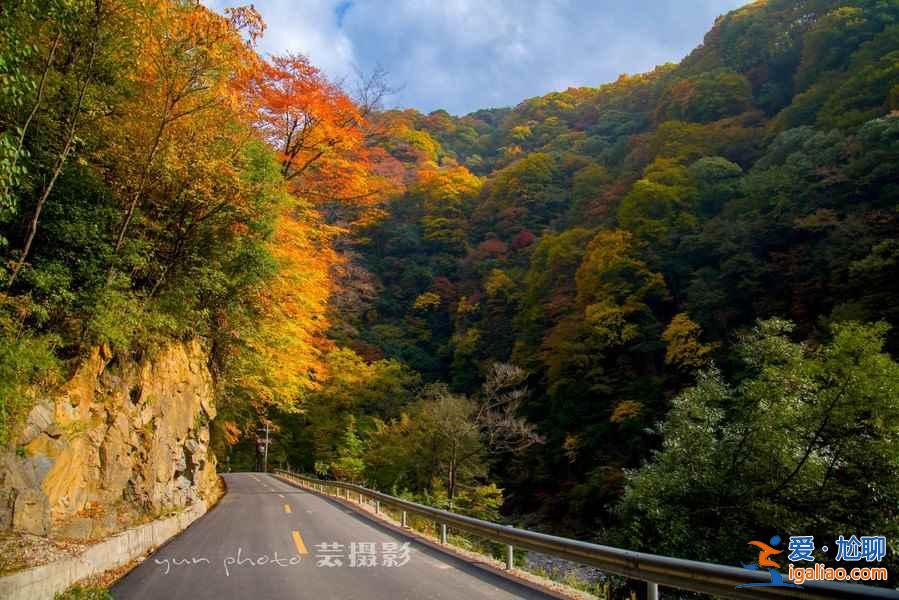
(124, 439)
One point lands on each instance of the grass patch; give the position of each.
(78, 592)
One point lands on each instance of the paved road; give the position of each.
(278, 531)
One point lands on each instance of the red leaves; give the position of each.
(523, 239)
(493, 247)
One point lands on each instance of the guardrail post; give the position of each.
(403, 522)
(652, 591)
(443, 533)
(377, 507)
(510, 557)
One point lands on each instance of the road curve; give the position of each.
(264, 541)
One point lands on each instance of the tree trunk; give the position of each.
(142, 182)
(37, 102)
(451, 488)
(60, 160)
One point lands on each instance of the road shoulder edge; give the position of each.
(551, 589)
(117, 555)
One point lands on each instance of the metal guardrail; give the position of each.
(654, 570)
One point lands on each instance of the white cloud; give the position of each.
(468, 54)
(308, 27)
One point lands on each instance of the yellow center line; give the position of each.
(287, 509)
(298, 542)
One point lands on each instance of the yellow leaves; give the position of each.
(611, 270)
(466, 342)
(189, 56)
(347, 369)
(427, 302)
(291, 336)
(520, 134)
(628, 409)
(610, 323)
(684, 348)
(420, 141)
(467, 306)
(446, 196)
(613, 286)
(447, 186)
(179, 127)
(248, 20)
(572, 446)
(497, 283)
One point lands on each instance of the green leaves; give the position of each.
(806, 441)
(27, 360)
(707, 97)
(661, 205)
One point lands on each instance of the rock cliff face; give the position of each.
(123, 440)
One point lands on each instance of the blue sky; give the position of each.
(462, 55)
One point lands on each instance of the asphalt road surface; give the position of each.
(268, 540)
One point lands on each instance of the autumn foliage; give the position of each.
(622, 274)
(319, 132)
(173, 183)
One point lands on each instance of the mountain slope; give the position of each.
(615, 241)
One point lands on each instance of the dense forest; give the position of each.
(661, 313)
(149, 192)
(695, 271)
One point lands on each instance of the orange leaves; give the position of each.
(186, 161)
(231, 432)
(247, 20)
(320, 134)
(311, 122)
(186, 158)
(189, 56)
(294, 103)
(185, 106)
(291, 336)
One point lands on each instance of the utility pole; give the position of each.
(265, 454)
(264, 446)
